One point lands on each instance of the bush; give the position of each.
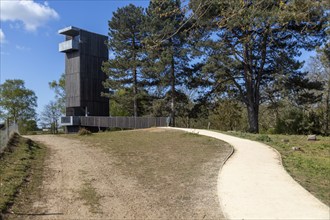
(264, 138)
(84, 131)
(296, 121)
(271, 131)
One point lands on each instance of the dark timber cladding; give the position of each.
(84, 54)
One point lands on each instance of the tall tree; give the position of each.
(125, 45)
(252, 45)
(166, 45)
(319, 69)
(59, 89)
(17, 102)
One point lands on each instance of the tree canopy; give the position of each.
(241, 54)
(17, 102)
(252, 46)
(125, 45)
(50, 115)
(167, 49)
(59, 89)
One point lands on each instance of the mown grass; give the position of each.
(177, 171)
(310, 166)
(20, 173)
(165, 149)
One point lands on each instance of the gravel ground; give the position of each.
(87, 179)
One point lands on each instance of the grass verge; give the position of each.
(20, 174)
(309, 165)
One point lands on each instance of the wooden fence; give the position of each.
(118, 122)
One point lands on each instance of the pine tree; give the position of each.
(125, 45)
(167, 52)
(253, 45)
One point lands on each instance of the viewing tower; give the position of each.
(84, 53)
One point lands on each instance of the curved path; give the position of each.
(254, 185)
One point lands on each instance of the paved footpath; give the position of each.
(254, 185)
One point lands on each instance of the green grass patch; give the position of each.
(19, 166)
(90, 196)
(309, 166)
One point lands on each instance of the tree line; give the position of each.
(233, 65)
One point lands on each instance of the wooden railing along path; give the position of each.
(114, 122)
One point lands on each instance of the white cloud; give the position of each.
(30, 13)
(2, 36)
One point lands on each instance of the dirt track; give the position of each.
(72, 165)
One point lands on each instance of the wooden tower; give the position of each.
(84, 54)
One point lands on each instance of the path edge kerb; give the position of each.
(230, 154)
(220, 169)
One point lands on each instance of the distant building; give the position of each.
(84, 53)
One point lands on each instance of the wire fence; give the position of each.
(5, 134)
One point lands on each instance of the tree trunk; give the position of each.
(173, 91)
(252, 84)
(56, 130)
(327, 110)
(135, 92)
(253, 117)
(134, 81)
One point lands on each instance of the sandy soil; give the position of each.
(72, 164)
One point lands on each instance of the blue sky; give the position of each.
(29, 38)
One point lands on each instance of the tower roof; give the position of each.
(69, 31)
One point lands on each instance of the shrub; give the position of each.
(84, 131)
(264, 138)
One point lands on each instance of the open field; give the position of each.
(150, 173)
(309, 166)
